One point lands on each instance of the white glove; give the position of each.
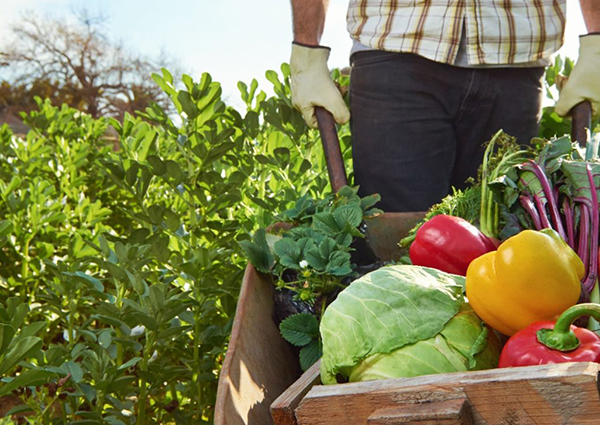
(312, 85)
(584, 81)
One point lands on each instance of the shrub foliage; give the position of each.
(120, 268)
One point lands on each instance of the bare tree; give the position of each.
(104, 76)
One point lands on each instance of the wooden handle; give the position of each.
(581, 115)
(331, 146)
(447, 412)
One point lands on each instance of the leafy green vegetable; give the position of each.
(317, 248)
(398, 307)
(257, 251)
(463, 344)
(302, 330)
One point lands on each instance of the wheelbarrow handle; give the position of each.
(581, 116)
(331, 147)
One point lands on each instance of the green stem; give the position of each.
(148, 350)
(121, 292)
(562, 338)
(484, 198)
(405, 242)
(49, 405)
(196, 363)
(71, 323)
(593, 324)
(25, 265)
(173, 391)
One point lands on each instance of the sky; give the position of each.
(233, 40)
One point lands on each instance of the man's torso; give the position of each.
(493, 32)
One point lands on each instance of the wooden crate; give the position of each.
(259, 364)
(560, 394)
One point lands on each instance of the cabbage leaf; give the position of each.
(385, 310)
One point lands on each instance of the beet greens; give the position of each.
(557, 189)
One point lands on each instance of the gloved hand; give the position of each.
(312, 85)
(584, 81)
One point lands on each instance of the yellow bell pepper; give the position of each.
(533, 276)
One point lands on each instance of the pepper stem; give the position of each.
(562, 338)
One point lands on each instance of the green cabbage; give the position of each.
(403, 321)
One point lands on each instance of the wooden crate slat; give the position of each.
(563, 394)
(257, 367)
(283, 408)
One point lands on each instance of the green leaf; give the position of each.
(32, 329)
(158, 166)
(339, 264)
(15, 182)
(310, 354)
(157, 297)
(385, 310)
(156, 213)
(251, 124)
(305, 166)
(19, 409)
(171, 220)
(18, 315)
(325, 222)
(299, 329)
(7, 332)
(129, 363)
(138, 236)
(348, 216)
(174, 172)
(31, 377)
(6, 228)
(20, 351)
(146, 320)
(88, 280)
(188, 105)
(104, 246)
(105, 338)
(369, 201)
(282, 156)
(258, 253)
(75, 370)
(137, 283)
(289, 253)
(217, 152)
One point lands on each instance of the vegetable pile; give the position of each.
(507, 256)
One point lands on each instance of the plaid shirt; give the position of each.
(497, 31)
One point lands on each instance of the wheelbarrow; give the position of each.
(261, 381)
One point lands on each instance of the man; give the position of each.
(434, 79)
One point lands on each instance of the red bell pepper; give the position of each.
(449, 244)
(560, 342)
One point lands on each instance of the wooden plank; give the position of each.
(449, 412)
(259, 364)
(561, 394)
(282, 409)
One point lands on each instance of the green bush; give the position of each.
(120, 268)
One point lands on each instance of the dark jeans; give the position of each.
(418, 126)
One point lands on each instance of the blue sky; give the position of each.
(233, 40)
